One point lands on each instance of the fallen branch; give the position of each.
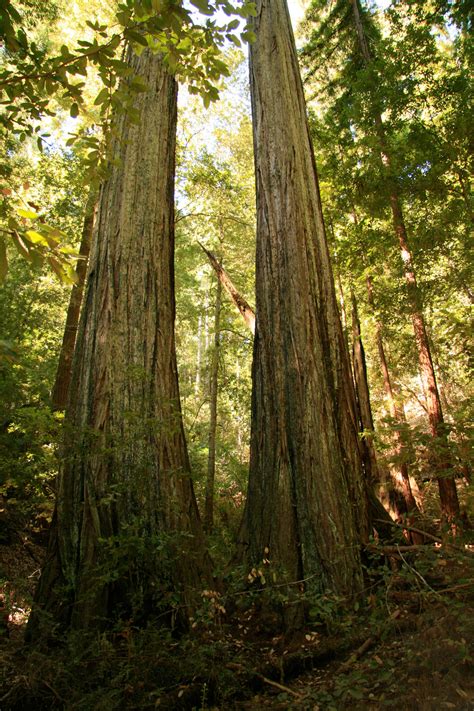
(456, 587)
(266, 680)
(369, 642)
(404, 527)
(281, 687)
(390, 550)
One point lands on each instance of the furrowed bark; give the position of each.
(127, 531)
(307, 504)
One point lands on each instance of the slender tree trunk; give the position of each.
(362, 392)
(197, 380)
(447, 486)
(306, 509)
(242, 305)
(397, 413)
(126, 527)
(213, 393)
(63, 375)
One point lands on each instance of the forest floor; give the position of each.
(409, 646)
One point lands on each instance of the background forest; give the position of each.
(388, 90)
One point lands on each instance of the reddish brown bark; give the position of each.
(307, 504)
(126, 528)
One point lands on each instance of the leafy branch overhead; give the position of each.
(35, 84)
(35, 240)
(191, 50)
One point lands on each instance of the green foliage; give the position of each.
(417, 82)
(39, 80)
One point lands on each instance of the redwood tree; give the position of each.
(307, 509)
(126, 532)
(442, 463)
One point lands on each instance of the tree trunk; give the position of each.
(441, 458)
(362, 392)
(397, 413)
(306, 509)
(127, 530)
(242, 305)
(63, 375)
(213, 392)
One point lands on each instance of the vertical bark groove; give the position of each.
(307, 501)
(126, 505)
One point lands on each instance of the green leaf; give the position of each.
(136, 37)
(74, 110)
(249, 36)
(21, 246)
(29, 214)
(102, 96)
(37, 237)
(234, 39)
(203, 6)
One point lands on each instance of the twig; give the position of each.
(389, 550)
(404, 527)
(59, 698)
(456, 587)
(358, 653)
(281, 687)
(414, 570)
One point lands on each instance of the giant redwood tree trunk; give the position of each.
(127, 529)
(306, 508)
(441, 458)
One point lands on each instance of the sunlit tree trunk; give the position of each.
(63, 375)
(213, 396)
(127, 527)
(241, 304)
(306, 508)
(441, 460)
